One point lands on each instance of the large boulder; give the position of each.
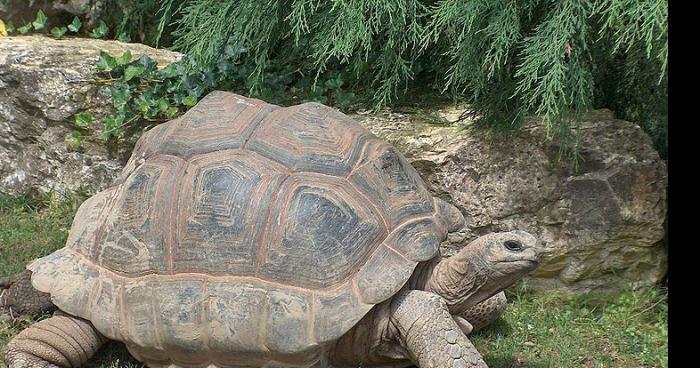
(43, 84)
(603, 221)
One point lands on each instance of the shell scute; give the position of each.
(288, 318)
(135, 240)
(104, 307)
(341, 310)
(88, 219)
(179, 318)
(386, 176)
(310, 137)
(137, 302)
(219, 121)
(417, 240)
(383, 275)
(224, 205)
(235, 322)
(323, 233)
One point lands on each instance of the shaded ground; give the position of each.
(545, 330)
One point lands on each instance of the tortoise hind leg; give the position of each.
(482, 314)
(19, 297)
(60, 341)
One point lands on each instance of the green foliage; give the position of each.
(83, 119)
(9, 27)
(142, 94)
(628, 329)
(100, 31)
(633, 80)
(25, 28)
(40, 20)
(510, 59)
(32, 226)
(75, 25)
(58, 32)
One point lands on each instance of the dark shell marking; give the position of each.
(244, 228)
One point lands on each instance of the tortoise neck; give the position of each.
(462, 280)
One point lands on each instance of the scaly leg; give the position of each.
(428, 333)
(481, 315)
(60, 341)
(19, 297)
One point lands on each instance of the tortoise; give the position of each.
(244, 234)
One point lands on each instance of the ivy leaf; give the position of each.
(334, 84)
(163, 105)
(75, 25)
(124, 37)
(40, 20)
(113, 126)
(106, 61)
(121, 97)
(9, 27)
(83, 119)
(189, 101)
(100, 31)
(171, 112)
(147, 62)
(58, 32)
(143, 105)
(169, 71)
(133, 71)
(25, 28)
(125, 58)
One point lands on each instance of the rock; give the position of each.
(603, 223)
(58, 12)
(43, 84)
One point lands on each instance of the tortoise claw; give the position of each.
(5, 283)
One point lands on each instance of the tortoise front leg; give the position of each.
(60, 341)
(426, 330)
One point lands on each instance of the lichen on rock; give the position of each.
(43, 84)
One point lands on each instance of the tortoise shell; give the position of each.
(245, 229)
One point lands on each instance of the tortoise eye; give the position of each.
(513, 245)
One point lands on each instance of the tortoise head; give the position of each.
(505, 257)
(484, 267)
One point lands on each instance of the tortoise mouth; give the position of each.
(526, 263)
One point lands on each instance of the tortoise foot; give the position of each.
(17, 296)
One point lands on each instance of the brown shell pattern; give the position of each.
(297, 219)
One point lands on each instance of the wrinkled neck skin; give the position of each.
(463, 280)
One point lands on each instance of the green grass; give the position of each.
(538, 330)
(551, 330)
